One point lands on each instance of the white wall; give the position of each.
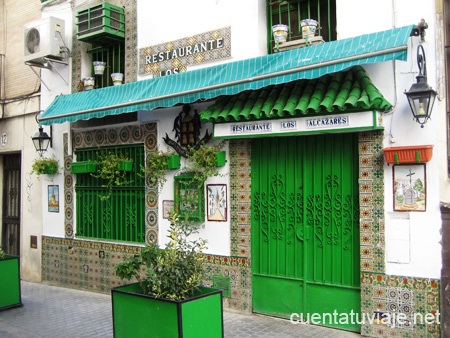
(413, 238)
(160, 21)
(217, 234)
(56, 81)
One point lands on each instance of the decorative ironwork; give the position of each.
(187, 132)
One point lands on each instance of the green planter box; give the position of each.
(126, 165)
(83, 167)
(10, 295)
(221, 158)
(138, 315)
(174, 162)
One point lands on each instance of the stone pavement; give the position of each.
(55, 312)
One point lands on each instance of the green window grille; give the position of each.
(291, 12)
(114, 56)
(121, 217)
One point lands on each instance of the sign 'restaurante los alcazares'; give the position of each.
(175, 56)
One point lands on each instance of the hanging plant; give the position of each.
(45, 165)
(112, 170)
(158, 162)
(203, 161)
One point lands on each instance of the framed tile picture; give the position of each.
(53, 198)
(167, 209)
(189, 198)
(410, 189)
(217, 209)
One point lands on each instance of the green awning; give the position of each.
(231, 78)
(345, 91)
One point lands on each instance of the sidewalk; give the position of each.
(54, 312)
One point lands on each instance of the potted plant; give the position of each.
(10, 295)
(158, 162)
(168, 300)
(204, 160)
(112, 169)
(45, 165)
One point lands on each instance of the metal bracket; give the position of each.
(419, 30)
(46, 65)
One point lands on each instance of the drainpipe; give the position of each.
(445, 271)
(2, 85)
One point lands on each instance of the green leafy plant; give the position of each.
(156, 168)
(202, 161)
(110, 172)
(2, 253)
(45, 165)
(174, 272)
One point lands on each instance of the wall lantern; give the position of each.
(421, 96)
(41, 141)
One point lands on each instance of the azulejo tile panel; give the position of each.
(400, 306)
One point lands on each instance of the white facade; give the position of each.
(412, 239)
(247, 21)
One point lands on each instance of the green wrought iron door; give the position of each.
(305, 229)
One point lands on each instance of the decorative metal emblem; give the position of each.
(187, 127)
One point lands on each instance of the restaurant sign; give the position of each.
(301, 125)
(175, 56)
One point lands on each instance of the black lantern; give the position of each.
(41, 141)
(421, 96)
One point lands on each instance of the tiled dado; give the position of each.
(90, 265)
(82, 264)
(402, 304)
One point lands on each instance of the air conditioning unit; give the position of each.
(44, 40)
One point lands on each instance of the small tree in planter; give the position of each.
(45, 165)
(10, 295)
(168, 300)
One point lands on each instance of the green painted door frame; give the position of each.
(305, 228)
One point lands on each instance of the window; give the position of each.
(114, 56)
(103, 26)
(291, 12)
(121, 216)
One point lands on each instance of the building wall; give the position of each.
(19, 104)
(410, 285)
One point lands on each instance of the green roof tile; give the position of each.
(345, 91)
